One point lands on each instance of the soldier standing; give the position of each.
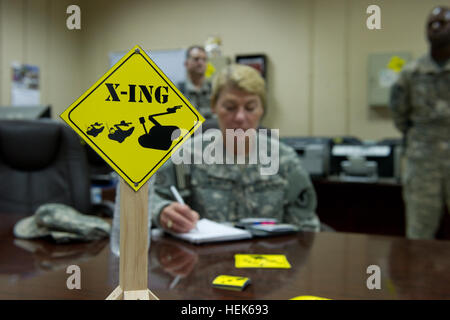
(196, 87)
(420, 102)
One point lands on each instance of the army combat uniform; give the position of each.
(420, 102)
(62, 224)
(229, 192)
(199, 98)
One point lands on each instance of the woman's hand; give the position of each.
(178, 217)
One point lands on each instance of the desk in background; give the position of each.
(331, 265)
(359, 207)
(372, 207)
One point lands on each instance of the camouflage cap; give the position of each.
(63, 224)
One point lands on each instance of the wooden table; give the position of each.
(331, 265)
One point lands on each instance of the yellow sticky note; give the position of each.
(210, 70)
(309, 298)
(396, 64)
(277, 261)
(338, 140)
(225, 281)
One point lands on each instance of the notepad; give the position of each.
(210, 231)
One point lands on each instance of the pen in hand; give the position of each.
(178, 197)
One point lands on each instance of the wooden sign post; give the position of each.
(133, 272)
(116, 117)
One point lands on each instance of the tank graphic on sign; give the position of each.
(92, 130)
(118, 134)
(159, 137)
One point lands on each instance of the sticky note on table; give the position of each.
(277, 261)
(231, 282)
(309, 298)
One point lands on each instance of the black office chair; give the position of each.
(41, 161)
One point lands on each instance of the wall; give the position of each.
(403, 23)
(341, 45)
(256, 26)
(34, 32)
(317, 50)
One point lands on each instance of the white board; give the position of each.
(171, 62)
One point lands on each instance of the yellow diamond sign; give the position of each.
(134, 117)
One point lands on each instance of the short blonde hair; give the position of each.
(242, 77)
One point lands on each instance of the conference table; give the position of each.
(332, 265)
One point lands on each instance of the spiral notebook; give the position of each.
(210, 231)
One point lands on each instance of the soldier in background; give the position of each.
(196, 88)
(420, 102)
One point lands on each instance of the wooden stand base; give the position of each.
(118, 294)
(133, 272)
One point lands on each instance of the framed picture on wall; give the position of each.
(257, 61)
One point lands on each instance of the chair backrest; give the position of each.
(41, 161)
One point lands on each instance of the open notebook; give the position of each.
(210, 231)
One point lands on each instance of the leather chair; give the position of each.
(41, 161)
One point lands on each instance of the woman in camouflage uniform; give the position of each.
(229, 192)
